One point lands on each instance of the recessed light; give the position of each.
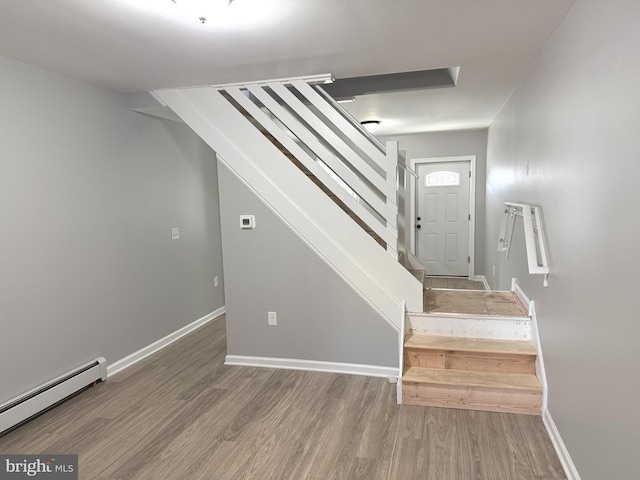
(371, 125)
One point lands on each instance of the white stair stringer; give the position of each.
(362, 263)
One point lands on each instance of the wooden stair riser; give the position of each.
(499, 328)
(471, 361)
(472, 398)
(493, 375)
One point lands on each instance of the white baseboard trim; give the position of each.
(483, 279)
(312, 365)
(135, 357)
(540, 369)
(561, 449)
(515, 288)
(535, 338)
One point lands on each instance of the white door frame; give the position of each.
(411, 224)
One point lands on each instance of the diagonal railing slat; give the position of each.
(326, 156)
(387, 235)
(335, 141)
(350, 129)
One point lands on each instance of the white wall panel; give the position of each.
(89, 191)
(568, 141)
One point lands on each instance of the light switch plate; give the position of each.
(175, 233)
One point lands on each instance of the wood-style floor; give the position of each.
(182, 414)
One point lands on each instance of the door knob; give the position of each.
(418, 218)
(418, 226)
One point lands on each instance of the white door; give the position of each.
(443, 216)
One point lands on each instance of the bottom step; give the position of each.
(510, 393)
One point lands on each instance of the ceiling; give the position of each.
(139, 45)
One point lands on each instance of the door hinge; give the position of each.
(469, 217)
(469, 259)
(469, 173)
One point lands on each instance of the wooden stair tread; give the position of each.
(505, 381)
(432, 342)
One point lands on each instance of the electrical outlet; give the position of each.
(494, 270)
(175, 233)
(215, 281)
(272, 318)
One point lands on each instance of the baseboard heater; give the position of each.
(39, 399)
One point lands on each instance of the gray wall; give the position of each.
(270, 269)
(88, 194)
(454, 144)
(576, 119)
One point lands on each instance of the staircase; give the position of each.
(471, 350)
(341, 192)
(333, 184)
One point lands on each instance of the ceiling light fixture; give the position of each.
(203, 9)
(371, 125)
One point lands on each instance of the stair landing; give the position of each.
(471, 313)
(473, 302)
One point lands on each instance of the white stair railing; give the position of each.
(533, 236)
(258, 128)
(310, 127)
